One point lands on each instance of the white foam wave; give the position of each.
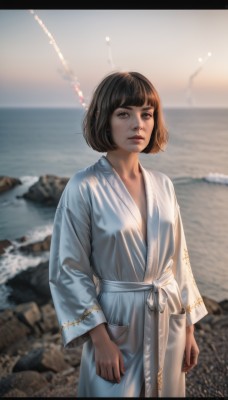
(28, 180)
(211, 177)
(38, 233)
(13, 261)
(214, 177)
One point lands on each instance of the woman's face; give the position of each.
(131, 127)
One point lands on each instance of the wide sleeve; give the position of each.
(70, 275)
(191, 298)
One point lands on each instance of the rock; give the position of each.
(22, 239)
(49, 322)
(42, 360)
(3, 245)
(11, 329)
(43, 245)
(15, 393)
(28, 313)
(26, 382)
(221, 322)
(7, 183)
(224, 305)
(64, 384)
(212, 306)
(31, 285)
(47, 190)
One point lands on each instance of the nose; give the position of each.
(137, 122)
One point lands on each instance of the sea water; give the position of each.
(35, 142)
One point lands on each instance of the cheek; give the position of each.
(116, 129)
(150, 129)
(115, 125)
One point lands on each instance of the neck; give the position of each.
(125, 164)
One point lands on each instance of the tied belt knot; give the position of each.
(157, 298)
(156, 301)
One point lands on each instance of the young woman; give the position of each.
(120, 275)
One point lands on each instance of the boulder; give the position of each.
(28, 313)
(46, 190)
(224, 305)
(31, 285)
(3, 245)
(36, 247)
(42, 359)
(25, 382)
(49, 321)
(12, 330)
(212, 306)
(8, 182)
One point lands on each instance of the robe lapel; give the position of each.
(152, 227)
(120, 189)
(152, 212)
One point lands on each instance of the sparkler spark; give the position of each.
(193, 76)
(69, 74)
(110, 59)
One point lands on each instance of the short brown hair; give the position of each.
(121, 89)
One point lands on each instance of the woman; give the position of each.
(120, 275)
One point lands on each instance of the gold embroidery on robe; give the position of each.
(159, 379)
(188, 264)
(78, 321)
(196, 303)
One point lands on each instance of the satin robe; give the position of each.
(101, 270)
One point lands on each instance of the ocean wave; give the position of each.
(214, 177)
(13, 261)
(29, 180)
(211, 177)
(37, 234)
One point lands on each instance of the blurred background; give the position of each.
(168, 46)
(52, 60)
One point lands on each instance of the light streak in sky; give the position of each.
(110, 59)
(69, 73)
(193, 76)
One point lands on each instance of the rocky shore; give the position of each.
(33, 362)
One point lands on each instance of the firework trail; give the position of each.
(110, 59)
(69, 73)
(193, 76)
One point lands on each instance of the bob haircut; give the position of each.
(121, 89)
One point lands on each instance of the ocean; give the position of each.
(36, 141)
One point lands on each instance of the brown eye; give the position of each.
(122, 114)
(147, 115)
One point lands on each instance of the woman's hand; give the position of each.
(108, 357)
(191, 350)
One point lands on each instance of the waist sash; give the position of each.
(156, 301)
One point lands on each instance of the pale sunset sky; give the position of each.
(183, 52)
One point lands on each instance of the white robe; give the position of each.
(102, 271)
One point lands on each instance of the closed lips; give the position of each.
(137, 137)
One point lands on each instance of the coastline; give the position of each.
(33, 362)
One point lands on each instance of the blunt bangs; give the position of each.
(132, 90)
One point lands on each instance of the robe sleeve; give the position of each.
(71, 280)
(191, 298)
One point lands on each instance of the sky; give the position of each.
(183, 52)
